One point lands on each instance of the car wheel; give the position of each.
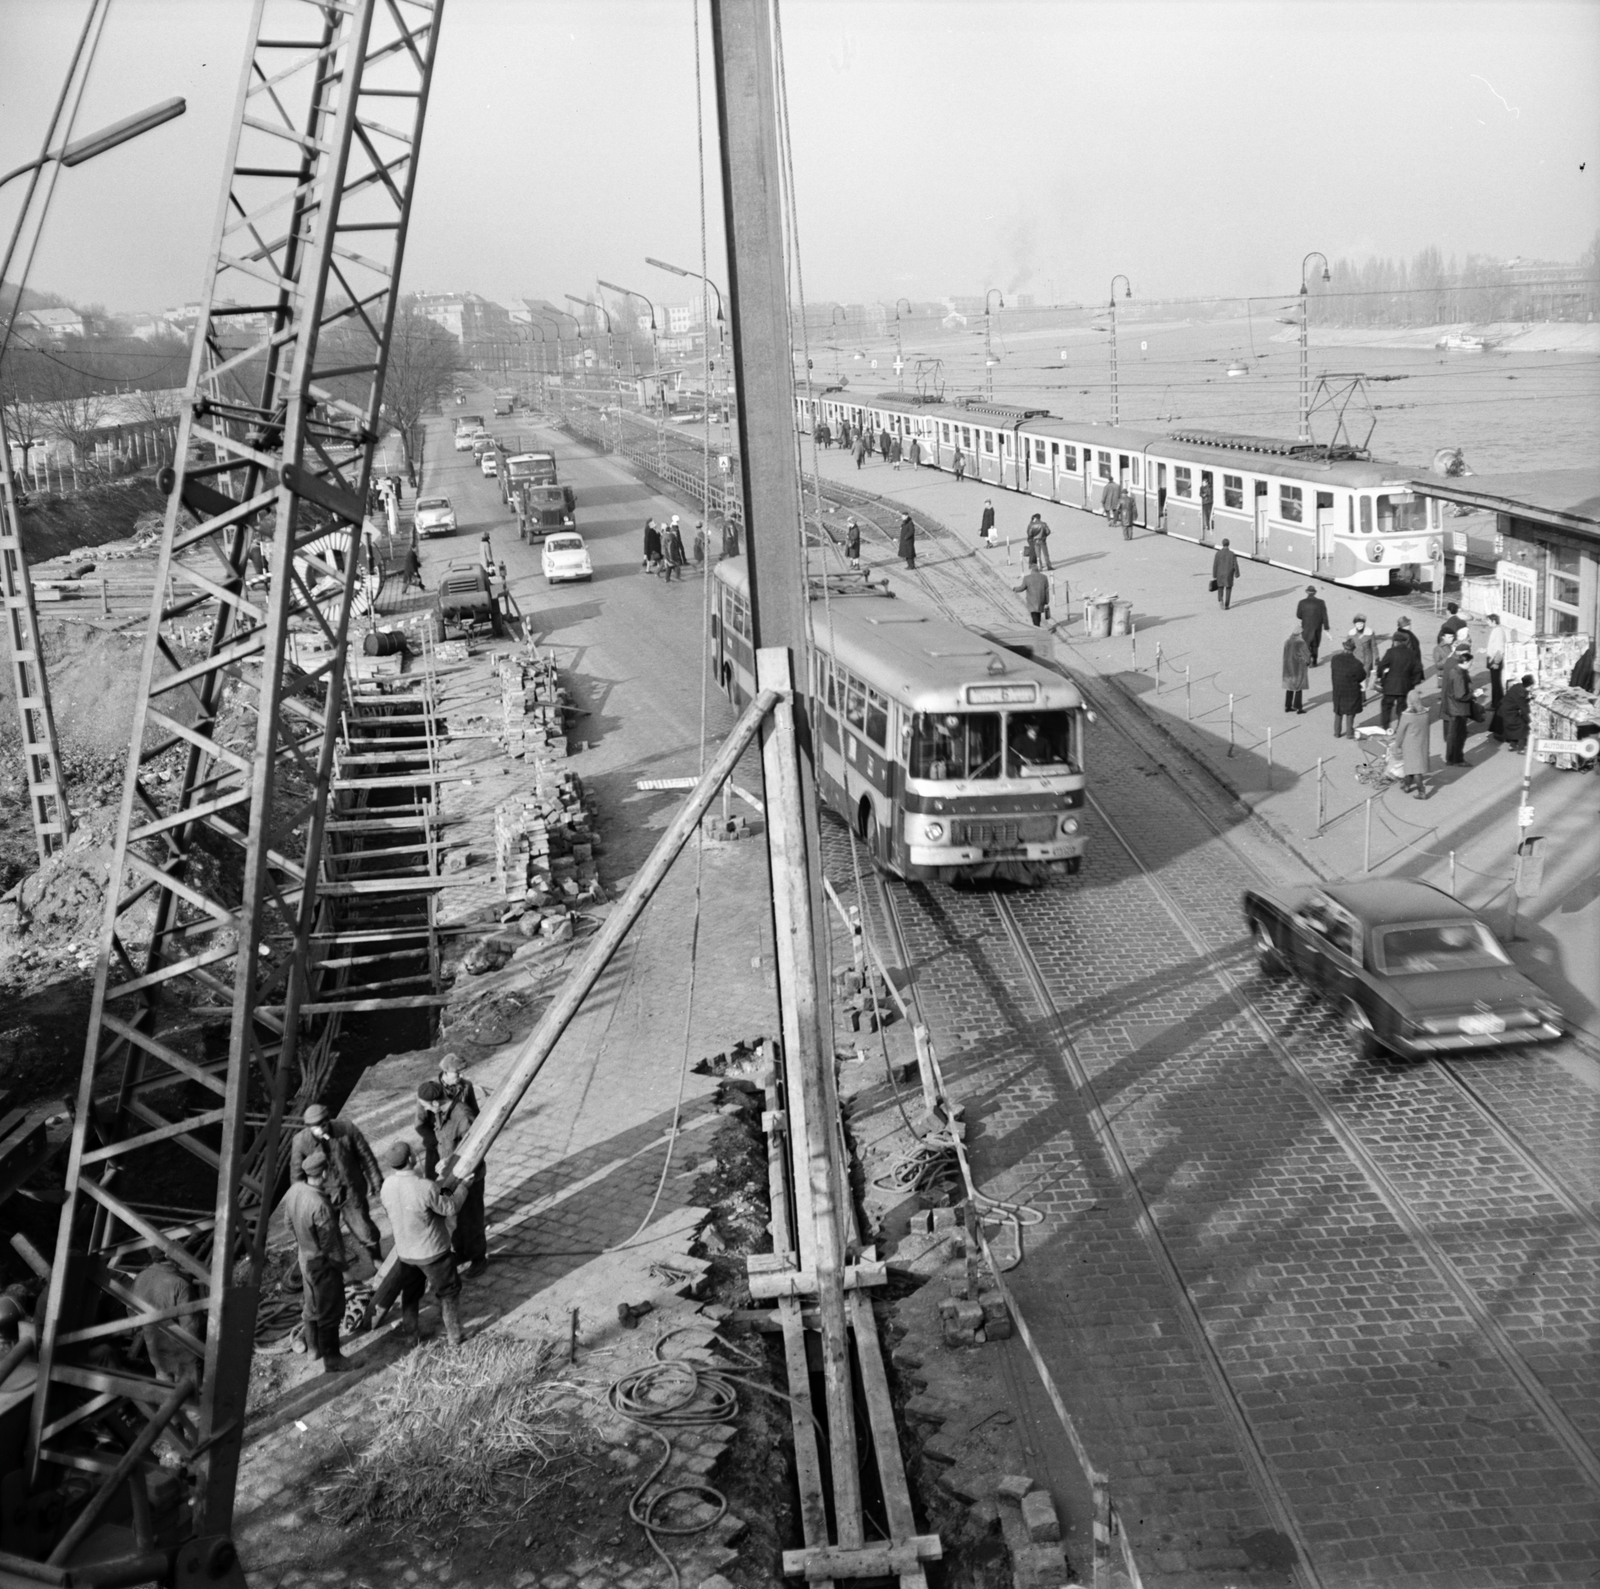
(1358, 1027)
(1267, 956)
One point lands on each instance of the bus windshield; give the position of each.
(956, 745)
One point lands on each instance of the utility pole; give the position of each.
(1305, 342)
(763, 357)
(1127, 293)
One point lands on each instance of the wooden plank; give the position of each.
(807, 1462)
(882, 1559)
(765, 1285)
(422, 1001)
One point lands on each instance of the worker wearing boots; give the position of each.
(320, 1244)
(419, 1215)
(446, 1110)
(351, 1175)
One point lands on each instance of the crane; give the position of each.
(202, 1000)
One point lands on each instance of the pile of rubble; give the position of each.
(545, 844)
(534, 703)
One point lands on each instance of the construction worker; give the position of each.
(160, 1286)
(446, 1109)
(420, 1212)
(319, 1242)
(351, 1174)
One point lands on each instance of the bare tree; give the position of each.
(76, 420)
(423, 361)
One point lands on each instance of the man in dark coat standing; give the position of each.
(1205, 518)
(1398, 675)
(652, 546)
(319, 1245)
(986, 520)
(1515, 710)
(1455, 704)
(1125, 513)
(1224, 570)
(1405, 635)
(1035, 589)
(908, 541)
(352, 1171)
(1296, 662)
(1313, 615)
(861, 451)
(852, 542)
(1347, 676)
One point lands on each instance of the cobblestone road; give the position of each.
(1257, 1347)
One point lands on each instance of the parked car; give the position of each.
(565, 557)
(482, 441)
(464, 440)
(434, 516)
(1411, 970)
(489, 463)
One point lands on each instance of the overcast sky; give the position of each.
(940, 147)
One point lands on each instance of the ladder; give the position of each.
(196, 1030)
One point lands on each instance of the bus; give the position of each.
(952, 756)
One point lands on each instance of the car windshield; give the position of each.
(564, 543)
(433, 504)
(547, 497)
(1438, 946)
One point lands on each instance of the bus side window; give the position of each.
(832, 687)
(855, 704)
(877, 719)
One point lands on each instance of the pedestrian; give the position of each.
(319, 1246)
(161, 1287)
(1346, 676)
(895, 452)
(1161, 510)
(1494, 658)
(960, 466)
(1398, 675)
(1582, 675)
(1453, 624)
(884, 445)
(1515, 711)
(1224, 570)
(1411, 731)
(1035, 589)
(861, 451)
(352, 1171)
(821, 433)
(852, 544)
(420, 1212)
(1030, 537)
(1125, 513)
(986, 521)
(413, 569)
(652, 546)
(446, 1110)
(1366, 647)
(1312, 612)
(1406, 635)
(730, 538)
(908, 541)
(1455, 705)
(1041, 544)
(1111, 499)
(1205, 520)
(486, 554)
(699, 543)
(672, 555)
(1296, 663)
(916, 453)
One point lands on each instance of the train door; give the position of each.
(1042, 468)
(1325, 528)
(1134, 484)
(1263, 506)
(1161, 497)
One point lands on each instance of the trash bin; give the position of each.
(1099, 616)
(1121, 618)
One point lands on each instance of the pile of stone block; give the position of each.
(975, 1311)
(534, 703)
(545, 842)
(864, 1000)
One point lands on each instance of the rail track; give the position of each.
(1115, 1037)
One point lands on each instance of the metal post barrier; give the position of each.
(1319, 794)
(1133, 650)
(1158, 666)
(1188, 695)
(1269, 758)
(1452, 872)
(105, 604)
(1230, 724)
(1366, 839)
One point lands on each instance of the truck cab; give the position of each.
(543, 510)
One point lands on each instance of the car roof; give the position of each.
(1379, 901)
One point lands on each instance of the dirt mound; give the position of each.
(55, 525)
(95, 694)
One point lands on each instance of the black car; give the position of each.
(1411, 969)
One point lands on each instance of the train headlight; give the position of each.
(934, 831)
(1069, 825)
(1375, 551)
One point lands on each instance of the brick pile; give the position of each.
(534, 703)
(545, 843)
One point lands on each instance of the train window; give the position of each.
(855, 704)
(830, 685)
(954, 745)
(877, 719)
(988, 441)
(1104, 461)
(1366, 515)
(944, 431)
(1402, 516)
(1038, 744)
(1136, 469)
(1233, 491)
(966, 436)
(1182, 481)
(1038, 451)
(1069, 457)
(1291, 504)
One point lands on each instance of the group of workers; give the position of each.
(664, 553)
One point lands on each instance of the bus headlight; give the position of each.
(1375, 551)
(933, 831)
(1069, 824)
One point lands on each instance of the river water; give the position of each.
(1506, 411)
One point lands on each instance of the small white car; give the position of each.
(566, 558)
(489, 464)
(463, 441)
(435, 516)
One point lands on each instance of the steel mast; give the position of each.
(196, 1019)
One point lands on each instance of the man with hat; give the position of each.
(1313, 615)
(852, 543)
(351, 1174)
(1455, 703)
(420, 1213)
(319, 1243)
(446, 1109)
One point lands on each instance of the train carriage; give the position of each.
(951, 755)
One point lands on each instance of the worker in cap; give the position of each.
(162, 1288)
(319, 1245)
(446, 1110)
(420, 1215)
(352, 1175)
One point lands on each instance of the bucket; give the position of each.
(1121, 618)
(1100, 617)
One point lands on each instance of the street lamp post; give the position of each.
(655, 350)
(899, 349)
(1305, 352)
(678, 270)
(988, 347)
(1127, 292)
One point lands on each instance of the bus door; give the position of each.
(1133, 482)
(1263, 505)
(1325, 528)
(833, 770)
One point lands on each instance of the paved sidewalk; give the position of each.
(1186, 659)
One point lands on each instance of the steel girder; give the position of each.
(195, 1026)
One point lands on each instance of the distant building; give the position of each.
(467, 316)
(52, 324)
